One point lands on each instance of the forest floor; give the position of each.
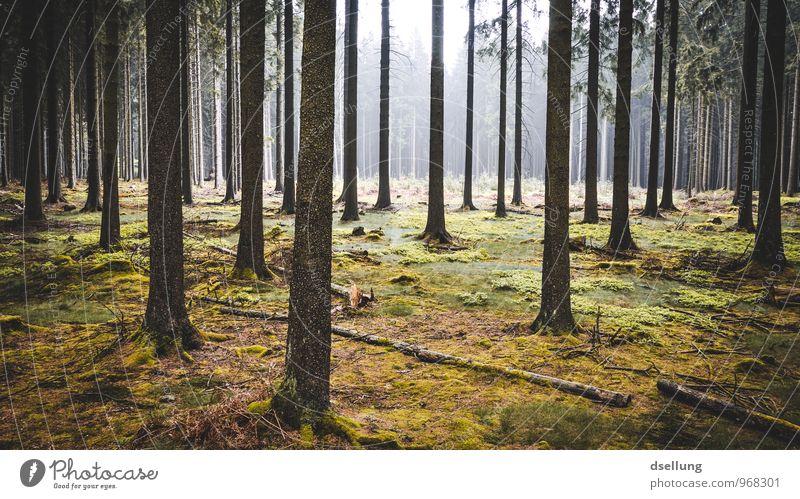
(676, 309)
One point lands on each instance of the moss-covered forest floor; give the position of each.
(675, 309)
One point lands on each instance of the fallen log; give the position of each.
(423, 354)
(780, 428)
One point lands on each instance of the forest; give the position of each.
(471, 224)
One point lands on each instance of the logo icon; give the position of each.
(31, 472)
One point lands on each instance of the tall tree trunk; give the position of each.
(673, 126)
(278, 98)
(142, 96)
(305, 391)
(469, 153)
(620, 238)
(288, 124)
(69, 132)
(768, 249)
(198, 91)
(166, 322)
(500, 210)
(53, 93)
(590, 198)
(230, 193)
(92, 112)
(109, 223)
(250, 251)
(794, 159)
(186, 87)
(516, 198)
(745, 164)
(30, 101)
(384, 195)
(435, 230)
(555, 313)
(651, 201)
(350, 178)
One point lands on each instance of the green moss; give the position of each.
(253, 351)
(524, 281)
(306, 434)
(142, 356)
(474, 299)
(404, 278)
(245, 274)
(216, 337)
(595, 283)
(417, 253)
(703, 298)
(260, 407)
(752, 365)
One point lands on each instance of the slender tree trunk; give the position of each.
(53, 93)
(250, 251)
(166, 322)
(590, 200)
(69, 122)
(109, 224)
(350, 178)
(768, 249)
(230, 193)
(794, 155)
(279, 139)
(185, 86)
(673, 126)
(215, 113)
(142, 89)
(469, 153)
(198, 97)
(288, 126)
(435, 230)
(305, 392)
(500, 210)
(620, 238)
(745, 164)
(92, 113)
(516, 198)
(555, 313)
(651, 201)
(384, 195)
(32, 211)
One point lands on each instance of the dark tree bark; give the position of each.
(791, 186)
(350, 177)
(166, 322)
(250, 252)
(288, 123)
(745, 164)
(30, 100)
(186, 88)
(384, 194)
(92, 113)
(230, 105)
(768, 249)
(278, 98)
(516, 198)
(590, 215)
(69, 132)
(469, 153)
(620, 238)
(54, 85)
(305, 392)
(500, 210)
(651, 201)
(142, 95)
(555, 313)
(435, 230)
(109, 225)
(669, 139)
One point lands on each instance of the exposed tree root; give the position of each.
(423, 354)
